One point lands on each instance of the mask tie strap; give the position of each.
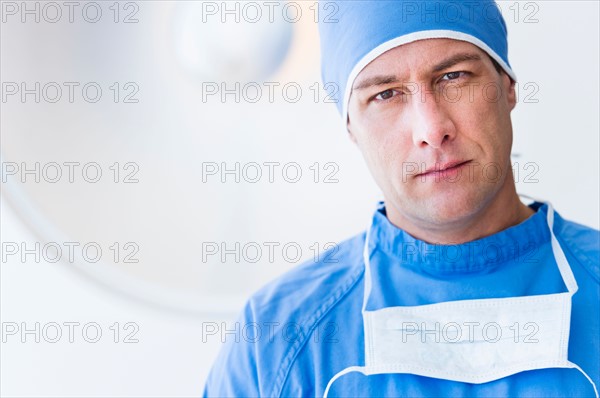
(367, 262)
(360, 369)
(561, 259)
(559, 255)
(367, 291)
(586, 376)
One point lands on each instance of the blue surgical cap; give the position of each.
(354, 33)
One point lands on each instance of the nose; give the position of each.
(432, 125)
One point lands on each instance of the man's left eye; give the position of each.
(453, 75)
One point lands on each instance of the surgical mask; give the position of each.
(471, 341)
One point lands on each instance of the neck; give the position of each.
(505, 210)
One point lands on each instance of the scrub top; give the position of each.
(298, 331)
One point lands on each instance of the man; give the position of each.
(457, 288)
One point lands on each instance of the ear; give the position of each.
(509, 87)
(350, 133)
(352, 137)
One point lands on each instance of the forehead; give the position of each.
(420, 56)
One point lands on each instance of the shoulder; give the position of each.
(581, 242)
(312, 287)
(295, 304)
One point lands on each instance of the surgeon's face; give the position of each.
(432, 119)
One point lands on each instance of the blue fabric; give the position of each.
(320, 306)
(349, 30)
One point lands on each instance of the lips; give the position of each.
(443, 168)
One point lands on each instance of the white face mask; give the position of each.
(472, 341)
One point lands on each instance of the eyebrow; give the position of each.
(379, 80)
(445, 64)
(456, 59)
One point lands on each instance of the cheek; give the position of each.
(484, 121)
(389, 146)
(384, 150)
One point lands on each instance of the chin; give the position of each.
(448, 207)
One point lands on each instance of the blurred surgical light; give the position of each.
(162, 128)
(231, 40)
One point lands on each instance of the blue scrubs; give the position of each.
(306, 326)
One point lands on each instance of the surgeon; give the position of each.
(457, 288)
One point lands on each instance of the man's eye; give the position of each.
(453, 75)
(384, 95)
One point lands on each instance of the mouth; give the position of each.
(448, 170)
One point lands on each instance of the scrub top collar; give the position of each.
(481, 255)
